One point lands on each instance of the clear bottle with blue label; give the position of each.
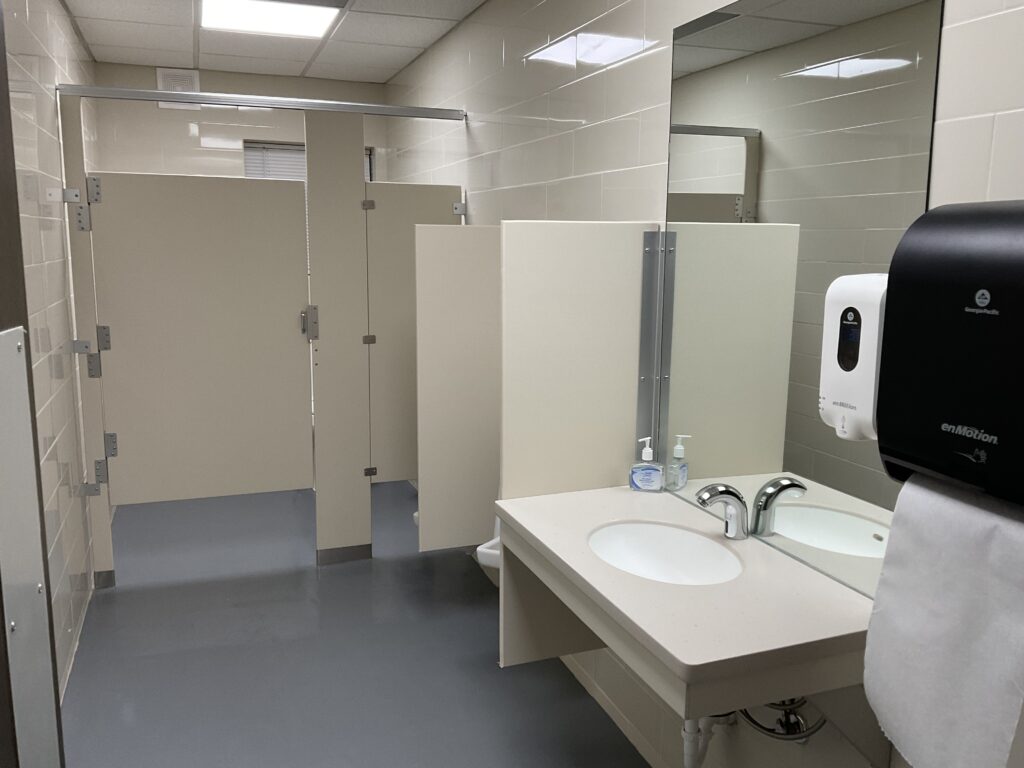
(678, 471)
(647, 474)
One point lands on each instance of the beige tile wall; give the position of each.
(140, 137)
(979, 154)
(42, 50)
(847, 159)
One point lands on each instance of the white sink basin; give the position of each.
(665, 553)
(831, 530)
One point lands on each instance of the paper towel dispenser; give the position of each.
(950, 380)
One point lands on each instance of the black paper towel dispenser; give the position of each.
(950, 378)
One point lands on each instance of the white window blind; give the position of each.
(268, 160)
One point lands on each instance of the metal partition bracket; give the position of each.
(370, 339)
(100, 467)
(459, 209)
(658, 284)
(83, 217)
(93, 189)
(71, 195)
(271, 102)
(110, 444)
(94, 365)
(81, 347)
(103, 338)
(88, 489)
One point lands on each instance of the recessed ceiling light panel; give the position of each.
(268, 17)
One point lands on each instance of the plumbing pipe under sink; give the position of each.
(488, 554)
(697, 736)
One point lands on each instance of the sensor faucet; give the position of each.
(764, 504)
(736, 524)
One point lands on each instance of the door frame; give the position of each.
(14, 313)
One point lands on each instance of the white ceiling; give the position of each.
(372, 42)
(760, 25)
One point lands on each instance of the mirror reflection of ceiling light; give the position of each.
(850, 68)
(268, 17)
(589, 49)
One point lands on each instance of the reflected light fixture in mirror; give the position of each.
(269, 17)
(588, 48)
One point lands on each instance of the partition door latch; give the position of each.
(309, 322)
(370, 472)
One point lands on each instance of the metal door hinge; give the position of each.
(81, 347)
(309, 322)
(370, 472)
(83, 218)
(71, 195)
(94, 365)
(88, 489)
(103, 338)
(459, 209)
(100, 466)
(370, 339)
(93, 189)
(369, 205)
(110, 444)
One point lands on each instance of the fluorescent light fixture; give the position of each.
(589, 49)
(850, 68)
(268, 17)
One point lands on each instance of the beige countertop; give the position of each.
(776, 613)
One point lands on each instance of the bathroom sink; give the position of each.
(831, 530)
(665, 553)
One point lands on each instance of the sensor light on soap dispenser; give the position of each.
(679, 468)
(647, 474)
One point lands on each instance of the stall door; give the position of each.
(391, 268)
(207, 381)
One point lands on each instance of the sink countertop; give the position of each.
(776, 612)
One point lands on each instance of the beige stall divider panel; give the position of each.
(391, 252)
(732, 330)
(570, 354)
(458, 371)
(207, 386)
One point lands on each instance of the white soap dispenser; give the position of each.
(647, 474)
(679, 468)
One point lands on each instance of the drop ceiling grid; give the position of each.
(371, 41)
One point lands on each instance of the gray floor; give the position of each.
(223, 647)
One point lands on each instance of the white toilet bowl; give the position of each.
(488, 554)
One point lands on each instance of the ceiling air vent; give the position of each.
(177, 80)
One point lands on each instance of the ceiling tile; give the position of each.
(355, 72)
(259, 66)
(431, 9)
(835, 12)
(150, 57)
(391, 29)
(256, 46)
(754, 34)
(364, 54)
(172, 12)
(130, 34)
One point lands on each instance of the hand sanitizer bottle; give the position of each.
(647, 475)
(679, 468)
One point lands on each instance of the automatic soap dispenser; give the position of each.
(851, 348)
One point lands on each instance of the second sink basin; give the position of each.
(831, 530)
(665, 553)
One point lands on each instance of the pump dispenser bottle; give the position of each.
(679, 468)
(647, 475)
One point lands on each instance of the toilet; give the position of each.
(488, 554)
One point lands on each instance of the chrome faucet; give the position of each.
(736, 525)
(764, 504)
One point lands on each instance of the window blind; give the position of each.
(268, 160)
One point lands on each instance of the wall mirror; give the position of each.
(799, 152)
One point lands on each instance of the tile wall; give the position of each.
(979, 154)
(847, 159)
(42, 50)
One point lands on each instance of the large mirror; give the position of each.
(799, 152)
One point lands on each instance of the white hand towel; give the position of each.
(944, 665)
